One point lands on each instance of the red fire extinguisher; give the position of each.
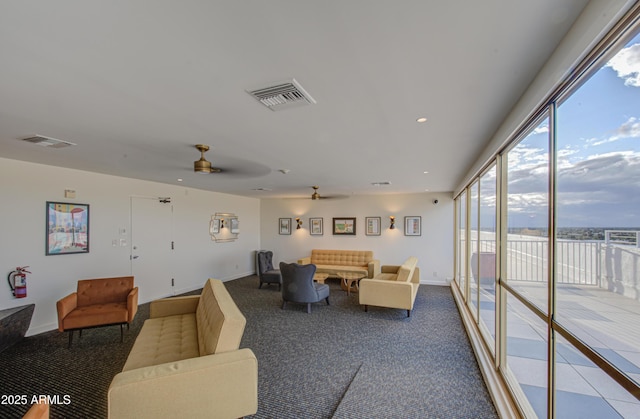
(18, 281)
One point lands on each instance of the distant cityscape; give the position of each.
(623, 234)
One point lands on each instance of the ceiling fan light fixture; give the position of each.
(203, 165)
(315, 194)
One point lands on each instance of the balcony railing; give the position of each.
(610, 263)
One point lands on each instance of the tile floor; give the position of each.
(608, 322)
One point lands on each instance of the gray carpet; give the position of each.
(337, 362)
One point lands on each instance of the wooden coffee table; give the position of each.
(350, 280)
(320, 277)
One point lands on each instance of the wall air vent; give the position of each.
(283, 95)
(43, 141)
(381, 183)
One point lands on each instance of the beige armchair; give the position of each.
(394, 287)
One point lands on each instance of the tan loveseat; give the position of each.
(394, 287)
(98, 302)
(185, 363)
(333, 261)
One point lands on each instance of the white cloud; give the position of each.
(540, 130)
(627, 64)
(629, 129)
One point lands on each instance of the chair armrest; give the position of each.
(66, 306)
(374, 268)
(224, 383)
(132, 303)
(384, 293)
(304, 261)
(390, 269)
(173, 306)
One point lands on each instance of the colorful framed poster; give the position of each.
(67, 228)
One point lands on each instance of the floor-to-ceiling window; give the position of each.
(556, 215)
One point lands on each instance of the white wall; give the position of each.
(26, 187)
(434, 248)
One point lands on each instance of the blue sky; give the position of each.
(598, 129)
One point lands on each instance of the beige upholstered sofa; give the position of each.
(394, 287)
(186, 362)
(333, 261)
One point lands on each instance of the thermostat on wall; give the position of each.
(69, 193)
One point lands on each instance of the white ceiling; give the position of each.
(136, 84)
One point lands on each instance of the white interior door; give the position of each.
(151, 247)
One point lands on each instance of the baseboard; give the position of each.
(436, 281)
(42, 329)
(498, 390)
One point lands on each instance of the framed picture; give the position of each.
(344, 226)
(235, 226)
(372, 226)
(315, 226)
(413, 226)
(67, 228)
(214, 226)
(284, 226)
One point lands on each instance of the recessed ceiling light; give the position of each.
(421, 119)
(425, 172)
(179, 180)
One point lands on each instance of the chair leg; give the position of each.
(260, 286)
(408, 313)
(70, 337)
(284, 304)
(308, 308)
(366, 308)
(80, 333)
(121, 333)
(327, 301)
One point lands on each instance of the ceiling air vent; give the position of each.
(283, 95)
(43, 141)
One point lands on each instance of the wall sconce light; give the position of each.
(392, 220)
(299, 221)
(221, 223)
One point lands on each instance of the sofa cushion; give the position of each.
(220, 322)
(104, 290)
(341, 257)
(387, 276)
(164, 339)
(96, 314)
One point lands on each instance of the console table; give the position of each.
(14, 323)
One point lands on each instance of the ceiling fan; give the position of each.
(202, 165)
(316, 195)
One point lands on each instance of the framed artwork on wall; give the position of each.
(214, 226)
(235, 226)
(413, 226)
(67, 228)
(315, 226)
(284, 226)
(344, 226)
(372, 226)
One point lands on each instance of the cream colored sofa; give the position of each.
(394, 287)
(333, 261)
(186, 363)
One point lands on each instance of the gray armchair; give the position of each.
(298, 285)
(266, 273)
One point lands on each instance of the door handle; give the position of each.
(135, 257)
